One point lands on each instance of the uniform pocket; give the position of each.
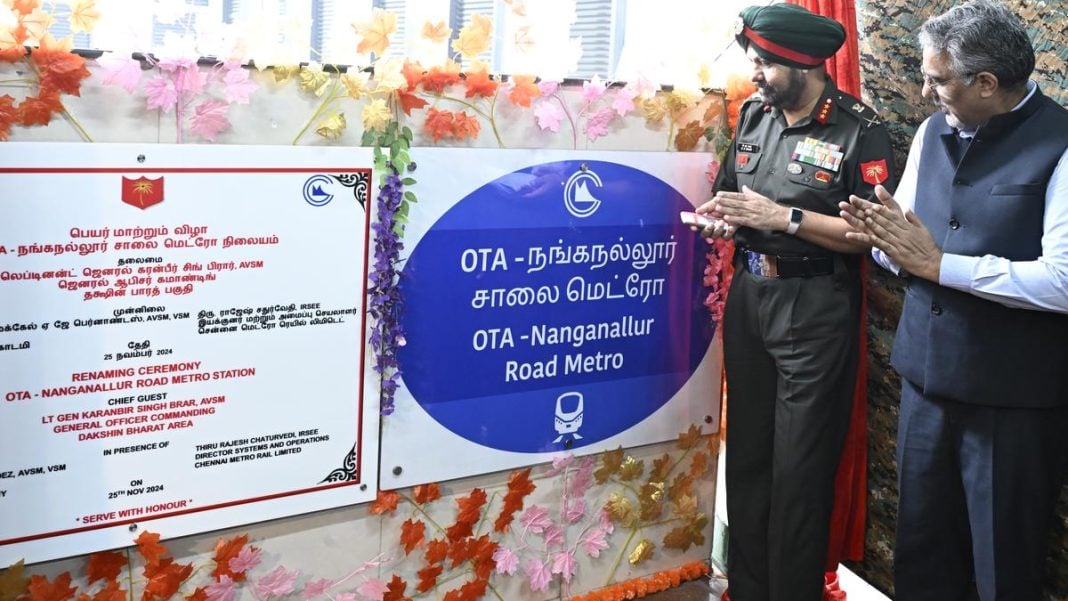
(1018, 190)
(746, 162)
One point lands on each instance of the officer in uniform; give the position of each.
(790, 324)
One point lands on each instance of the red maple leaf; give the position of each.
(395, 590)
(225, 550)
(410, 101)
(425, 493)
(481, 553)
(459, 551)
(38, 110)
(385, 503)
(441, 76)
(165, 578)
(479, 83)
(428, 577)
(519, 486)
(198, 595)
(413, 74)
(105, 566)
(13, 50)
(149, 548)
(436, 551)
(60, 70)
(470, 591)
(470, 510)
(412, 532)
(111, 592)
(439, 124)
(41, 589)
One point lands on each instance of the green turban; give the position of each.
(789, 34)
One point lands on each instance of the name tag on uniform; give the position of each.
(819, 153)
(747, 147)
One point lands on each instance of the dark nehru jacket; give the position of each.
(954, 344)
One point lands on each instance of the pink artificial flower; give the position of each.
(223, 590)
(161, 93)
(372, 590)
(564, 564)
(535, 519)
(124, 72)
(548, 114)
(548, 87)
(314, 588)
(597, 123)
(238, 86)
(592, 91)
(623, 102)
(554, 536)
(247, 558)
(507, 561)
(538, 574)
(575, 511)
(210, 119)
(278, 583)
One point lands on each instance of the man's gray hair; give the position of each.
(982, 35)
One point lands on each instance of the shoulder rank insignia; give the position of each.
(825, 110)
(858, 108)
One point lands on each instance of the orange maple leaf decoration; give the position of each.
(12, 44)
(165, 578)
(60, 70)
(441, 76)
(38, 110)
(395, 590)
(9, 115)
(410, 101)
(439, 124)
(385, 503)
(435, 32)
(375, 34)
(436, 551)
(41, 589)
(25, 7)
(519, 486)
(149, 548)
(524, 90)
(413, 73)
(480, 83)
(201, 594)
(412, 534)
(106, 565)
(428, 577)
(465, 126)
(470, 510)
(225, 550)
(111, 592)
(688, 136)
(425, 493)
(655, 583)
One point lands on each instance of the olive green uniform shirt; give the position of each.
(842, 148)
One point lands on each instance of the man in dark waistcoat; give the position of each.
(790, 324)
(979, 226)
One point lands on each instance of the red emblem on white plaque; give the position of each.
(142, 192)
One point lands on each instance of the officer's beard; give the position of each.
(786, 96)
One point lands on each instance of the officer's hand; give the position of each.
(719, 228)
(749, 209)
(901, 235)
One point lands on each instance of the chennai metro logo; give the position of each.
(142, 192)
(577, 197)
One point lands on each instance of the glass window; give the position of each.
(677, 42)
